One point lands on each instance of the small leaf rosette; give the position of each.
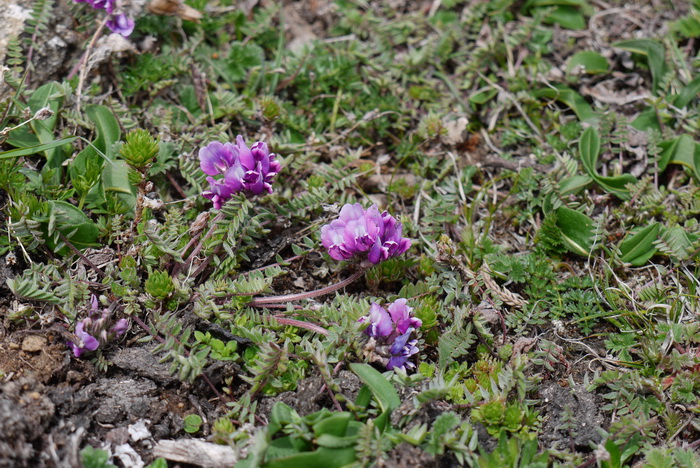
(392, 331)
(360, 231)
(234, 168)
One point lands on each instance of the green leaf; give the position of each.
(638, 248)
(241, 58)
(95, 458)
(570, 98)
(483, 96)
(115, 178)
(383, 391)
(566, 13)
(590, 62)
(577, 230)
(589, 148)
(15, 153)
(681, 150)
(335, 424)
(655, 54)
(688, 93)
(74, 225)
(567, 17)
(647, 120)
(574, 184)
(158, 463)
(107, 126)
(321, 458)
(192, 423)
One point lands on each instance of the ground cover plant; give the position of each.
(349, 233)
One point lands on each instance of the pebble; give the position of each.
(33, 343)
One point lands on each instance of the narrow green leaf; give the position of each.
(15, 153)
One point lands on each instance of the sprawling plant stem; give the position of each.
(263, 301)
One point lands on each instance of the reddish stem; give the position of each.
(263, 301)
(301, 324)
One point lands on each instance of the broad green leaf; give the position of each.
(334, 425)
(681, 150)
(617, 185)
(654, 52)
(383, 391)
(115, 178)
(566, 13)
(107, 126)
(567, 17)
(590, 62)
(35, 149)
(647, 120)
(589, 148)
(321, 458)
(49, 95)
(577, 230)
(574, 184)
(638, 248)
(688, 93)
(74, 225)
(570, 98)
(331, 441)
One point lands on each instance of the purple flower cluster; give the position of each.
(358, 230)
(118, 23)
(242, 169)
(95, 330)
(394, 329)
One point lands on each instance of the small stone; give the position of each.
(33, 343)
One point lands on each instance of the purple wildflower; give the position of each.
(393, 329)
(401, 315)
(107, 5)
(358, 230)
(401, 351)
(96, 329)
(120, 327)
(243, 169)
(86, 342)
(380, 323)
(121, 24)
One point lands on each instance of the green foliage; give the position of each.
(140, 149)
(159, 284)
(192, 423)
(95, 458)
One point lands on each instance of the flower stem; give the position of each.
(188, 262)
(263, 301)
